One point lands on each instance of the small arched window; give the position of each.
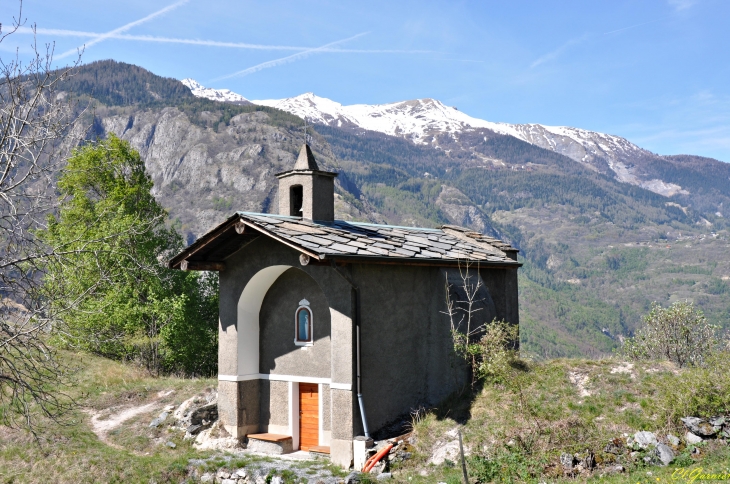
(303, 320)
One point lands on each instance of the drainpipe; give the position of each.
(357, 347)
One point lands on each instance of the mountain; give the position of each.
(429, 122)
(222, 95)
(424, 120)
(596, 250)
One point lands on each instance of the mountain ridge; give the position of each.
(422, 120)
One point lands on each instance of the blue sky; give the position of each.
(655, 71)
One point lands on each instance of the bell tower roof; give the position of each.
(306, 161)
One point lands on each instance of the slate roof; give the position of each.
(355, 240)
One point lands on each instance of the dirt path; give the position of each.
(101, 427)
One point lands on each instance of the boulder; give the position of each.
(159, 420)
(701, 427)
(644, 439)
(617, 469)
(692, 439)
(204, 415)
(664, 453)
(673, 440)
(384, 476)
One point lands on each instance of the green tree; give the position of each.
(123, 302)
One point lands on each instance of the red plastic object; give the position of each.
(376, 458)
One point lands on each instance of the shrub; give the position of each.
(701, 391)
(679, 333)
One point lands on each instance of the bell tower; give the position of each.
(306, 191)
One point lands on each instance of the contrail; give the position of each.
(557, 52)
(637, 25)
(213, 43)
(285, 60)
(123, 28)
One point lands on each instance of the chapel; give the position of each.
(331, 329)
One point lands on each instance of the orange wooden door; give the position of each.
(308, 415)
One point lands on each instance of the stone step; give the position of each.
(270, 443)
(319, 451)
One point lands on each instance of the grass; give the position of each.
(515, 432)
(70, 452)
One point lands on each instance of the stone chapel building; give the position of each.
(332, 329)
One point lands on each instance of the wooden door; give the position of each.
(308, 415)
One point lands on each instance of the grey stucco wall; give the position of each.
(278, 354)
(274, 405)
(502, 285)
(407, 357)
(407, 353)
(240, 409)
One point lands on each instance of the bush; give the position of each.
(496, 350)
(701, 391)
(679, 333)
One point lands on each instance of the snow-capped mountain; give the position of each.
(423, 120)
(223, 95)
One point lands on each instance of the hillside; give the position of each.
(597, 250)
(127, 428)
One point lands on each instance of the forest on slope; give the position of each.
(596, 251)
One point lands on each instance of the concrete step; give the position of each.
(270, 443)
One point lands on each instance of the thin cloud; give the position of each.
(286, 60)
(123, 28)
(559, 51)
(211, 43)
(682, 4)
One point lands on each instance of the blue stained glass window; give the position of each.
(303, 325)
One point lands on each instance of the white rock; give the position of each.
(665, 454)
(691, 438)
(215, 438)
(440, 453)
(645, 439)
